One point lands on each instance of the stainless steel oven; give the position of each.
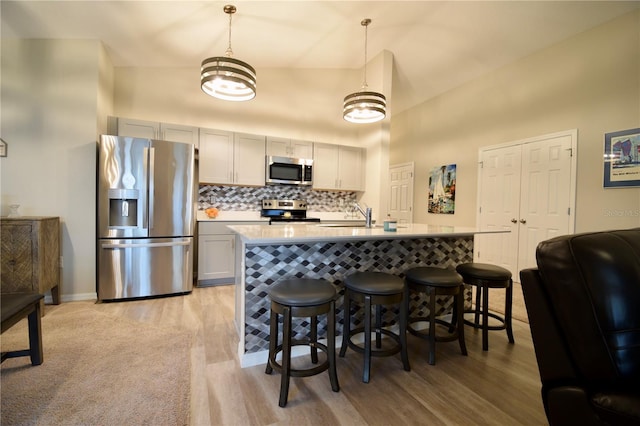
(286, 212)
(289, 171)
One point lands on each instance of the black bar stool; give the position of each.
(302, 297)
(485, 276)
(436, 282)
(374, 289)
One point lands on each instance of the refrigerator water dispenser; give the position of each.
(123, 208)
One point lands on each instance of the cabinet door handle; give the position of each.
(523, 221)
(513, 220)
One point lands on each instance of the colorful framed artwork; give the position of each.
(622, 159)
(442, 189)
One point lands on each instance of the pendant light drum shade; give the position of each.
(364, 107)
(225, 77)
(228, 78)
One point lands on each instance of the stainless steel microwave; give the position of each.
(289, 171)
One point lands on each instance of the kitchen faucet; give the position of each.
(365, 212)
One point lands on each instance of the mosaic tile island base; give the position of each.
(266, 254)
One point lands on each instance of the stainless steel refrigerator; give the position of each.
(146, 214)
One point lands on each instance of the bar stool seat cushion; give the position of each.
(485, 276)
(376, 283)
(433, 277)
(484, 271)
(302, 292)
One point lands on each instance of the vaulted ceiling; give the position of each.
(437, 45)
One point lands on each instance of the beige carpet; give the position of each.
(496, 302)
(97, 370)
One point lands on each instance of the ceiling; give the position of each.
(437, 45)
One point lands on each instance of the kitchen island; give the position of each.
(267, 253)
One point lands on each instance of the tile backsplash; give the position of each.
(241, 198)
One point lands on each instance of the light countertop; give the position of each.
(308, 233)
(232, 216)
(254, 215)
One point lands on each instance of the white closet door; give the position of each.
(546, 195)
(527, 187)
(500, 206)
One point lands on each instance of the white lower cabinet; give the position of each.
(216, 252)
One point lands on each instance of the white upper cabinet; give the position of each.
(283, 147)
(155, 130)
(138, 128)
(179, 133)
(231, 158)
(215, 163)
(249, 159)
(338, 167)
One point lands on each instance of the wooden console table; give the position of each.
(30, 255)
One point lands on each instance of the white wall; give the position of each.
(50, 104)
(302, 104)
(590, 82)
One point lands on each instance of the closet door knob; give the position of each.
(523, 221)
(514, 220)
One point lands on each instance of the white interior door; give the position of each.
(545, 207)
(527, 187)
(401, 192)
(499, 206)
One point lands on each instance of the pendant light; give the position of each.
(364, 106)
(225, 77)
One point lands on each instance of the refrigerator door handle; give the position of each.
(152, 163)
(143, 245)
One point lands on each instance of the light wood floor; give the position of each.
(498, 387)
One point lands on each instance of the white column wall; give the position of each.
(49, 110)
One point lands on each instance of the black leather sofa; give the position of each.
(583, 303)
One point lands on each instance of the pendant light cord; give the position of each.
(229, 52)
(365, 23)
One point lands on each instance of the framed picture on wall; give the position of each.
(622, 159)
(442, 189)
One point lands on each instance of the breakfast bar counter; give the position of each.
(266, 254)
